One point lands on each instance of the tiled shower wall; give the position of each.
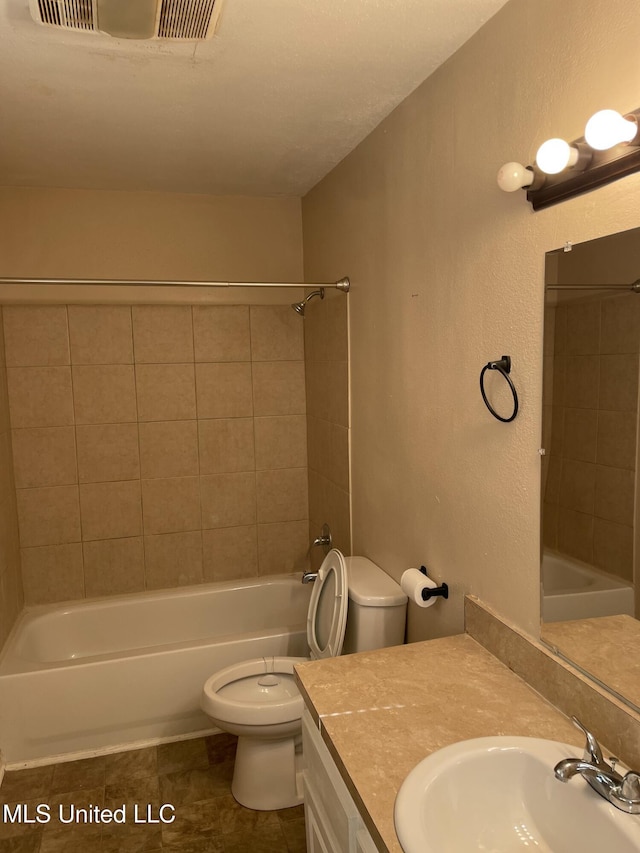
(11, 598)
(327, 378)
(156, 446)
(590, 425)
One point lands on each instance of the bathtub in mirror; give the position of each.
(590, 582)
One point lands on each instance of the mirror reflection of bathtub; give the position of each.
(574, 590)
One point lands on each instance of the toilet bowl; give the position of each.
(258, 700)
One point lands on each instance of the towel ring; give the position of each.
(503, 366)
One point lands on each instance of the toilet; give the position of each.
(354, 607)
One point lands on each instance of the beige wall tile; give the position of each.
(36, 335)
(577, 486)
(113, 566)
(44, 457)
(48, 516)
(614, 498)
(40, 396)
(281, 442)
(325, 328)
(559, 379)
(338, 471)
(100, 334)
(575, 534)
(230, 553)
(111, 510)
(108, 452)
(104, 394)
(613, 548)
(169, 449)
(52, 573)
(224, 390)
(173, 559)
(560, 331)
(620, 320)
(554, 473)
(282, 495)
(336, 515)
(581, 389)
(318, 444)
(317, 393)
(580, 434)
(550, 526)
(171, 505)
(282, 547)
(617, 439)
(279, 388)
(162, 333)
(338, 385)
(228, 500)
(166, 392)
(558, 421)
(276, 333)
(619, 382)
(221, 333)
(226, 445)
(583, 328)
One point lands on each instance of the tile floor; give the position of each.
(194, 776)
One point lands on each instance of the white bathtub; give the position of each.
(107, 673)
(574, 590)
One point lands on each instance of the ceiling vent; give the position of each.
(133, 19)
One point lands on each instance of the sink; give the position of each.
(498, 795)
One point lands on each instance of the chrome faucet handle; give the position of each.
(630, 787)
(592, 751)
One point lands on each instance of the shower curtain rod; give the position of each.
(635, 286)
(343, 284)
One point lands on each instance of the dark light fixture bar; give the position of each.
(591, 162)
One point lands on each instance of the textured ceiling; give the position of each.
(284, 90)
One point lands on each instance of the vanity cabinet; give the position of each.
(333, 822)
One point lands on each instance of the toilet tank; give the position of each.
(377, 608)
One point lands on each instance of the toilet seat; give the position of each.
(327, 614)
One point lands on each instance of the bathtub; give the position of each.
(574, 590)
(104, 674)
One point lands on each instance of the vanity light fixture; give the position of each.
(610, 149)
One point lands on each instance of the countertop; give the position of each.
(382, 712)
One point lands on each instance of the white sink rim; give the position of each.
(423, 823)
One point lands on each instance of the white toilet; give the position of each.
(258, 699)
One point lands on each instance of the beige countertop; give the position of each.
(382, 712)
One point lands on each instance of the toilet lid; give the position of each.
(327, 615)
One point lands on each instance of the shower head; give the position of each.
(300, 306)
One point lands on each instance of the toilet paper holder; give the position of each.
(442, 590)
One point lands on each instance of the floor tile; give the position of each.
(194, 776)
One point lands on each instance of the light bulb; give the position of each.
(514, 176)
(607, 128)
(554, 155)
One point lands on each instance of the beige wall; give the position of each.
(156, 446)
(64, 233)
(447, 273)
(11, 597)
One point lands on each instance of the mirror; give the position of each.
(590, 581)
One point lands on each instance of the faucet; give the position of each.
(623, 792)
(323, 541)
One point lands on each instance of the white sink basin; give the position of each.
(499, 795)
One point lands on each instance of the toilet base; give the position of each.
(265, 774)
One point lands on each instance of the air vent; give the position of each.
(70, 14)
(172, 20)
